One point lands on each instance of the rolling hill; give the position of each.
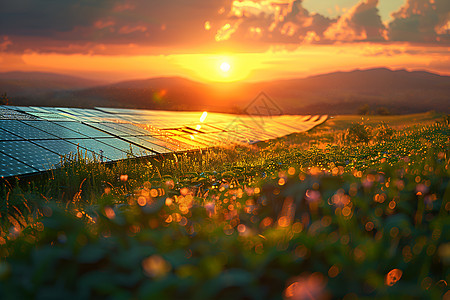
(398, 91)
(32, 83)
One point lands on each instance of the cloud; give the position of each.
(361, 23)
(147, 27)
(421, 21)
(225, 32)
(275, 21)
(288, 22)
(5, 42)
(65, 25)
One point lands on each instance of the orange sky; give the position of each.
(259, 39)
(273, 63)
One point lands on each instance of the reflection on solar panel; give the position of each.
(147, 144)
(34, 139)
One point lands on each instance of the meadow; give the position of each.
(356, 208)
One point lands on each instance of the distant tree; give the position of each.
(364, 109)
(4, 99)
(383, 111)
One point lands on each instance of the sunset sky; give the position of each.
(114, 40)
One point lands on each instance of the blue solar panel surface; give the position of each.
(34, 139)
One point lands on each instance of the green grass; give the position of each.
(330, 212)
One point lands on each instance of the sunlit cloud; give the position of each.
(289, 22)
(362, 22)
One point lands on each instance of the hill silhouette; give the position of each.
(398, 91)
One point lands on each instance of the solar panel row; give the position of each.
(34, 139)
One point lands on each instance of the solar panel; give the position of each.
(55, 129)
(10, 114)
(111, 128)
(63, 148)
(147, 144)
(204, 128)
(125, 146)
(30, 154)
(24, 131)
(87, 114)
(7, 136)
(35, 138)
(50, 116)
(83, 129)
(186, 139)
(133, 129)
(10, 166)
(18, 108)
(102, 150)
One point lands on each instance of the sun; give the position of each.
(225, 67)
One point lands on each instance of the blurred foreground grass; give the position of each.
(353, 209)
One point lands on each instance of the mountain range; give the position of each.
(396, 91)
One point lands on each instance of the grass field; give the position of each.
(355, 208)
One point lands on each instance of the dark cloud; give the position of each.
(59, 25)
(142, 26)
(421, 21)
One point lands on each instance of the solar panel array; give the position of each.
(35, 139)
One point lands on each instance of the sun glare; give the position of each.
(225, 67)
(218, 67)
(203, 117)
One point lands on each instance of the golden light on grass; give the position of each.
(307, 287)
(393, 276)
(156, 266)
(109, 212)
